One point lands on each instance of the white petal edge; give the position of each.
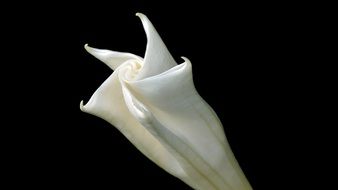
(191, 176)
(177, 109)
(113, 59)
(157, 58)
(108, 103)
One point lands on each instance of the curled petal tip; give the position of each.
(143, 17)
(87, 47)
(82, 106)
(185, 59)
(91, 50)
(140, 15)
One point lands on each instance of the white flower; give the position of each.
(154, 103)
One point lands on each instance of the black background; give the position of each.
(248, 64)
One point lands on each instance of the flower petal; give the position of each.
(192, 177)
(157, 58)
(108, 103)
(190, 127)
(112, 59)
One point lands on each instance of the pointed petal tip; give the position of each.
(82, 108)
(91, 50)
(186, 62)
(140, 14)
(87, 48)
(143, 17)
(185, 59)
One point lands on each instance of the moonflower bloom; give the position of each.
(154, 103)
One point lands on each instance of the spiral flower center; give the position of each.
(131, 69)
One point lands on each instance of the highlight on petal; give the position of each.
(112, 59)
(157, 58)
(191, 176)
(183, 121)
(176, 80)
(108, 103)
